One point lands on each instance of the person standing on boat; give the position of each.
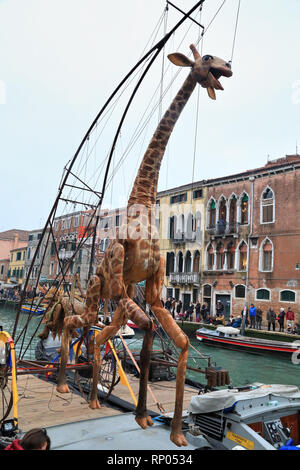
(252, 315)
(219, 308)
(281, 319)
(258, 317)
(290, 316)
(271, 317)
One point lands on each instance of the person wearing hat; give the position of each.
(280, 319)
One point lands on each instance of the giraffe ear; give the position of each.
(180, 59)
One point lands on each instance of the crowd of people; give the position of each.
(254, 316)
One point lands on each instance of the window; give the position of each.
(170, 263)
(244, 209)
(266, 255)
(207, 294)
(28, 253)
(118, 220)
(196, 264)
(232, 214)
(188, 262)
(172, 227)
(180, 262)
(230, 256)
(51, 271)
(2, 268)
(76, 221)
(240, 291)
(178, 198)
(287, 296)
(19, 255)
(106, 222)
(220, 256)
(197, 193)
(262, 294)
(190, 227)
(243, 257)
(30, 237)
(212, 214)
(267, 206)
(222, 209)
(210, 257)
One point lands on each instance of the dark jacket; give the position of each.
(271, 316)
(281, 317)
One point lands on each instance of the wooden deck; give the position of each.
(40, 405)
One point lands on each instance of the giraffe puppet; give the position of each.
(134, 256)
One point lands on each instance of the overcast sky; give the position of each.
(61, 59)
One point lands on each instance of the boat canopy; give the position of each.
(222, 399)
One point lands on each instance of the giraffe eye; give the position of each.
(207, 57)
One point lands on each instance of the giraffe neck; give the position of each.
(145, 186)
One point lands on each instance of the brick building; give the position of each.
(252, 238)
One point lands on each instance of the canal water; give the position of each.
(244, 368)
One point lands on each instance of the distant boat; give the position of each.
(34, 309)
(228, 337)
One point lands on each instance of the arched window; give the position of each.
(170, 263)
(188, 262)
(222, 209)
(212, 214)
(196, 264)
(232, 214)
(266, 255)
(244, 209)
(172, 227)
(267, 206)
(220, 255)
(287, 296)
(240, 291)
(262, 294)
(242, 257)
(190, 227)
(210, 257)
(180, 262)
(230, 255)
(180, 227)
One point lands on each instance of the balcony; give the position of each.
(184, 278)
(65, 254)
(183, 238)
(222, 228)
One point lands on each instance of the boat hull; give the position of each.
(245, 344)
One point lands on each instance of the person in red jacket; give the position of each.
(35, 439)
(290, 316)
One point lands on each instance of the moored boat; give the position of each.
(228, 337)
(32, 309)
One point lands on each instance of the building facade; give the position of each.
(40, 268)
(252, 239)
(16, 269)
(181, 227)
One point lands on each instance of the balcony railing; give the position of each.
(184, 278)
(223, 228)
(65, 254)
(183, 237)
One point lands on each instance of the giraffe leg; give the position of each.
(119, 319)
(153, 290)
(144, 323)
(71, 322)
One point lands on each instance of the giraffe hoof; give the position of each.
(63, 388)
(178, 439)
(94, 405)
(144, 421)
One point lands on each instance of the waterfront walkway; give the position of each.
(40, 405)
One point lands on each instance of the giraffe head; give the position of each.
(206, 70)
